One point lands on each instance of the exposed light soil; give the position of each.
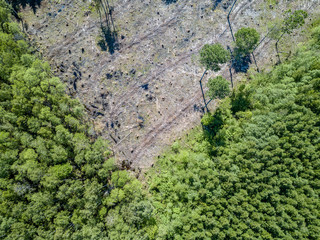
(146, 93)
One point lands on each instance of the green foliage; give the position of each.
(56, 180)
(246, 40)
(316, 35)
(207, 119)
(218, 87)
(211, 56)
(253, 173)
(240, 99)
(293, 20)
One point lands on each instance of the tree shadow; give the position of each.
(109, 36)
(17, 4)
(212, 132)
(215, 4)
(167, 2)
(241, 63)
(108, 40)
(240, 100)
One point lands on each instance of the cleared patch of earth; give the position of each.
(146, 93)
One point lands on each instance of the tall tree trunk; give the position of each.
(254, 59)
(230, 71)
(204, 99)
(277, 48)
(228, 17)
(230, 67)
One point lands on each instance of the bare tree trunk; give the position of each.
(278, 54)
(208, 102)
(204, 99)
(265, 37)
(254, 59)
(230, 71)
(277, 48)
(105, 12)
(230, 67)
(228, 17)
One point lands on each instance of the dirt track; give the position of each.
(158, 50)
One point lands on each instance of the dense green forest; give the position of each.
(55, 175)
(251, 171)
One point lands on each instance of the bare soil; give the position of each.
(146, 94)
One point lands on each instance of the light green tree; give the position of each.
(292, 21)
(218, 87)
(246, 40)
(211, 56)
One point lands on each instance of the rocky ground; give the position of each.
(146, 93)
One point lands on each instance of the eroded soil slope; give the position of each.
(146, 92)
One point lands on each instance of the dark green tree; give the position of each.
(253, 172)
(57, 181)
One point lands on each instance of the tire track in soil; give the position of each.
(150, 138)
(173, 65)
(159, 128)
(74, 37)
(151, 34)
(166, 122)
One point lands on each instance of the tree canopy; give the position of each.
(58, 180)
(293, 20)
(211, 56)
(251, 172)
(218, 87)
(246, 40)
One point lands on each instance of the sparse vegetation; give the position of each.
(292, 21)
